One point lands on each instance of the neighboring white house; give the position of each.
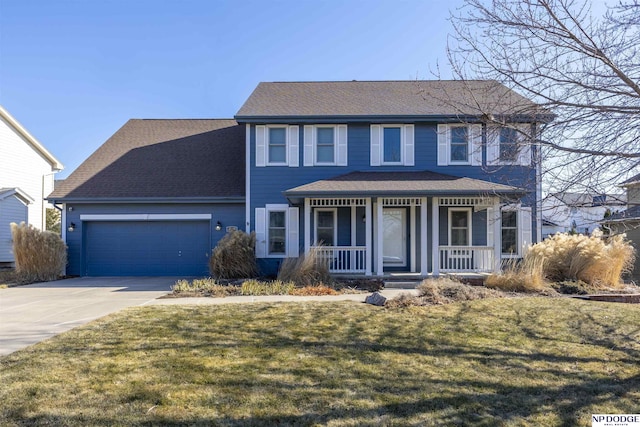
(578, 212)
(27, 172)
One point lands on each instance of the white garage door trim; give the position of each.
(146, 217)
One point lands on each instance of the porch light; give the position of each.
(218, 226)
(72, 227)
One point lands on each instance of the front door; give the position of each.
(394, 223)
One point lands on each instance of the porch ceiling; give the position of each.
(421, 183)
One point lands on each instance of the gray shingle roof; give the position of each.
(405, 183)
(632, 213)
(163, 159)
(383, 98)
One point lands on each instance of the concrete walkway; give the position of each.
(33, 313)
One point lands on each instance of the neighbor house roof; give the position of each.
(31, 140)
(7, 192)
(400, 183)
(633, 180)
(451, 98)
(590, 199)
(162, 159)
(632, 213)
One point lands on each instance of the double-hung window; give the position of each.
(392, 145)
(325, 145)
(509, 147)
(277, 143)
(460, 144)
(459, 147)
(326, 227)
(509, 232)
(277, 232)
(460, 227)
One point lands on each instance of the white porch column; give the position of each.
(352, 258)
(435, 235)
(367, 239)
(497, 237)
(412, 237)
(423, 237)
(379, 238)
(307, 225)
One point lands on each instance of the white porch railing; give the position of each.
(466, 259)
(343, 259)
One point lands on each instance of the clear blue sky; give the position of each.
(74, 71)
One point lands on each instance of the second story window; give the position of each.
(459, 144)
(325, 145)
(508, 145)
(392, 145)
(277, 145)
(459, 147)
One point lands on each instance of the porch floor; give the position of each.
(412, 280)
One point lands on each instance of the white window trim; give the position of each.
(523, 157)
(335, 224)
(469, 220)
(277, 208)
(402, 144)
(335, 145)
(517, 253)
(449, 144)
(268, 162)
(519, 147)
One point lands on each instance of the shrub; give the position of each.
(307, 270)
(234, 257)
(204, 287)
(39, 255)
(276, 287)
(593, 259)
(524, 276)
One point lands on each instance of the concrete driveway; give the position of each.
(32, 313)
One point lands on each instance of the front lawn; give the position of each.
(520, 361)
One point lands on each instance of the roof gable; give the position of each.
(31, 140)
(163, 159)
(383, 98)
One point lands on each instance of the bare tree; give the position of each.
(579, 63)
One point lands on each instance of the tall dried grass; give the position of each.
(593, 259)
(525, 275)
(234, 257)
(307, 270)
(39, 255)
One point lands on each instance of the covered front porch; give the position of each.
(392, 235)
(402, 222)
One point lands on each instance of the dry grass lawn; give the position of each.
(495, 362)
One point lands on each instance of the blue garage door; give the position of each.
(147, 248)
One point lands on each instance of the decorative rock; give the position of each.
(376, 298)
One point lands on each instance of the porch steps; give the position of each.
(401, 284)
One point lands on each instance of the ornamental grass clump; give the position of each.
(307, 270)
(257, 287)
(39, 255)
(234, 257)
(595, 260)
(525, 275)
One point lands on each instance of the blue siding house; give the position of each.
(417, 177)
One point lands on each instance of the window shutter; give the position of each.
(524, 228)
(293, 241)
(476, 145)
(443, 145)
(376, 142)
(342, 145)
(294, 151)
(261, 233)
(261, 146)
(308, 145)
(409, 145)
(525, 141)
(493, 145)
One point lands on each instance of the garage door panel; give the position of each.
(146, 248)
